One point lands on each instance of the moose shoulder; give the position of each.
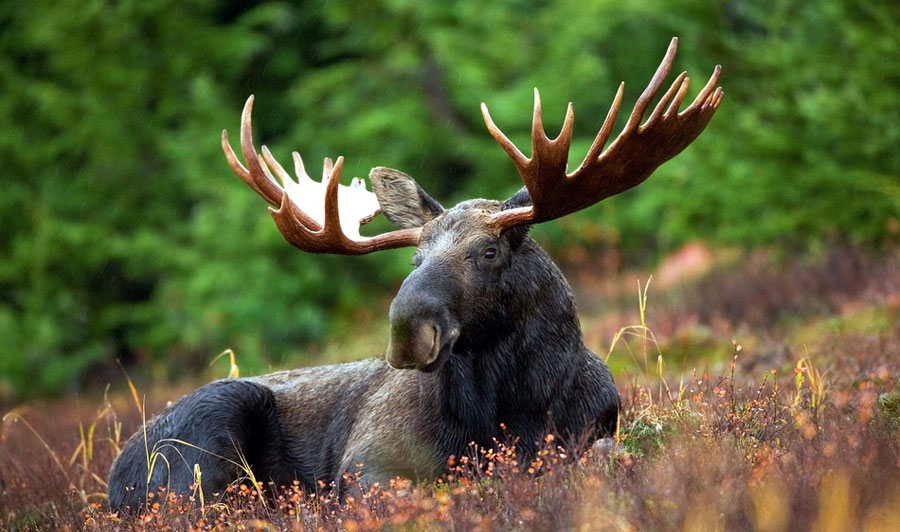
(484, 331)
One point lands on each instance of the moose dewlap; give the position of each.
(486, 321)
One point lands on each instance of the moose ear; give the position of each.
(402, 200)
(520, 199)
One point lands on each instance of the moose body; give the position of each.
(485, 322)
(524, 366)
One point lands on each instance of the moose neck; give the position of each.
(522, 360)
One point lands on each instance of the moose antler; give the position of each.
(310, 215)
(627, 162)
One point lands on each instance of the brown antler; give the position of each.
(629, 160)
(308, 217)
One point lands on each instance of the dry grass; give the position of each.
(810, 443)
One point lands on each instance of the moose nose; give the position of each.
(422, 329)
(413, 346)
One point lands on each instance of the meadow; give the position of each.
(758, 393)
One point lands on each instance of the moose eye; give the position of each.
(489, 253)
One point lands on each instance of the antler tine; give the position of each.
(676, 103)
(721, 94)
(666, 99)
(518, 158)
(705, 92)
(656, 83)
(606, 128)
(259, 180)
(332, 213)
(233, 161)
(263, 190)
(565, 134)
(538, 135)
(547, 154)
(276, 167)
(562, 141)
(299, 167)
(327, 167)
(303, 218)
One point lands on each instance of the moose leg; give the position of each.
(218, 429)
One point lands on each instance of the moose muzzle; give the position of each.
(422, 330)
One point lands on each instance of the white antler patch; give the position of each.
(306, 212)
(357, 206)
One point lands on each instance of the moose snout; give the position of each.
(422, 330)
(413, 346)
(421, 344)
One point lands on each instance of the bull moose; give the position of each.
(483, 331)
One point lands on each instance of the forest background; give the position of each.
(125, 236)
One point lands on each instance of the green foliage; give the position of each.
(644, 436)
(124, 234)
(889, 406)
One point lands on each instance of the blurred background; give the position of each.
(124, 236)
